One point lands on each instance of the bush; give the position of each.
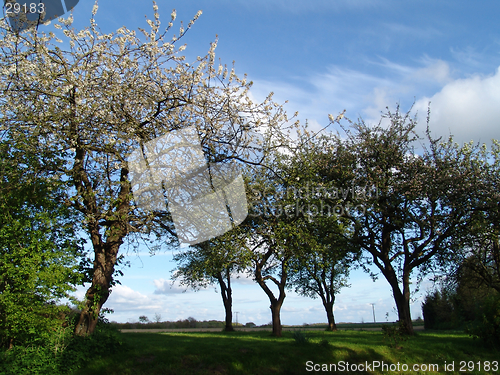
(30, 360)
(440, 312)
(469, 307)
(39, 246)
(300, 338)
(62, 353)
(487, 325)
(394, 334)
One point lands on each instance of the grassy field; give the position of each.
(259, 353)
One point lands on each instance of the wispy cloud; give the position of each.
(361, 93)
(473, 60)
(412, 32)
(465, 107)
(306, 6)
(163, 286)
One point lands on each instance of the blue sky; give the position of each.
(323, 57)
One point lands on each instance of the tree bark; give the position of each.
(98, 293)
(275, 313)
(402, 300)
(105, 252)
(276, 303)
(331, 318)
(227, 299)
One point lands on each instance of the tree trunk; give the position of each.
(105, 252)
(102, 278)
(402, 299)
(229, 317)
(329, 314)
(95, 297)
(276, 303)
(227, 299)
(403, 305)
(275, 313)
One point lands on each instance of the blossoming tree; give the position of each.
(99, 96)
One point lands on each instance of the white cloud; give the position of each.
(412, 31)
(467, 108)
(243, 279)
(360, 93)
(470, 58)
(125, 299)
(435, 71)
(163, 286)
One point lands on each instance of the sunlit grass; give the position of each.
(260, 353)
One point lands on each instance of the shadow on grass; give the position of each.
(259, 353)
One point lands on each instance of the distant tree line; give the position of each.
(181, 323)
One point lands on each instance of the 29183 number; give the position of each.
(26, 8)
(471, 366)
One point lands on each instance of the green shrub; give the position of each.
(62, 352)
(37, 357)
(394, 334)
(487, 324)
(440, 311)
(300, 338)
(40, 249)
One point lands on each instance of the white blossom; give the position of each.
(102, 95)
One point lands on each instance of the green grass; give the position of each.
(259, 353)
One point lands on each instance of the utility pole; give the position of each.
(236, 312)
(373, 307)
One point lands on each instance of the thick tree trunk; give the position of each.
(229, 318)
(275, 313)
(406, 325)
(105, 252)
(102, 278)
(329, 314)
(402, 300)
(95, 297)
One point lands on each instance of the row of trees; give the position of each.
(378, 197)
(281, 244)
(90, 99)
(72, 110)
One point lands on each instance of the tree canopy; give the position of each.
(39, 246)
(97, 97)
(214, 261)
(411, 207)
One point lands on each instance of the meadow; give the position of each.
(297, 352)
